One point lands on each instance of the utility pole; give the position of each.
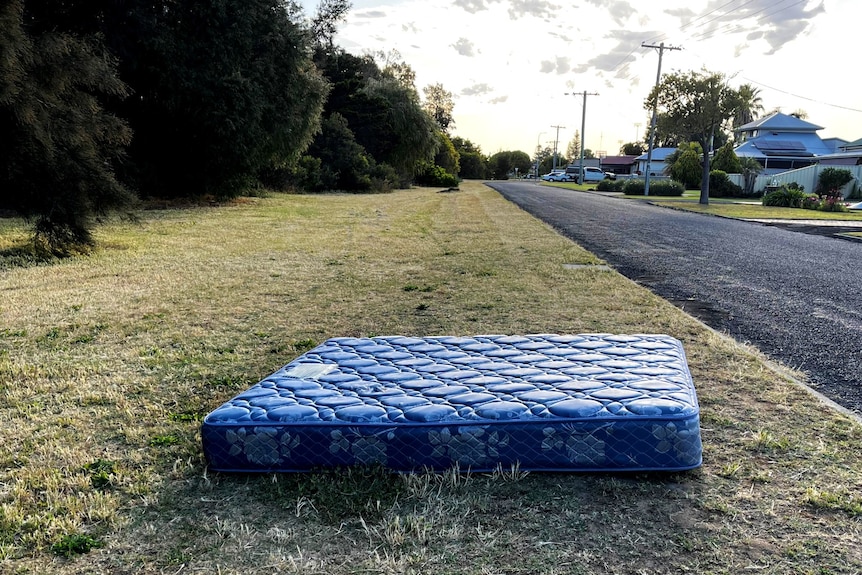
(583, 139)
(661, 48)
(538, 149)
(556, 139)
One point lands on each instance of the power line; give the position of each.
(848, 108)
(732, 26)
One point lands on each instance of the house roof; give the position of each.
(778, 122)
(835, 144)
(618, 160)
(784, 146)
(658, 154)
(855, 145)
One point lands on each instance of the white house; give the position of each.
(657, 165)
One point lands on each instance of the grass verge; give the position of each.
(109, 362)
(749, 210)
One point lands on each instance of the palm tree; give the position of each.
(750, 105)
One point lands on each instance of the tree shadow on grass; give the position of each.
(25, 255)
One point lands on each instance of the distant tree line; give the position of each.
(104, 104)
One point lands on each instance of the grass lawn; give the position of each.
(747, 209)
(108, 363)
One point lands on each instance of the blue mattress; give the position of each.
(590, 402)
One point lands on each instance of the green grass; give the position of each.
(747, 209)
(571, 185)
(108, 363)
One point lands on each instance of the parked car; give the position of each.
(547, 177)
(560, 177)
(591, 174)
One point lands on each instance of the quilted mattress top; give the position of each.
(433, 380)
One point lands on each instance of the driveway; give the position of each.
(795, 296)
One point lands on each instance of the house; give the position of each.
(620, 165)
(835, 144)
(847, 154)
(781, 142)
(657, 165)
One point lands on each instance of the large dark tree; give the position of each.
(222, 89)
(694, 105)
(383, 112)
(59, 146)
(344, 164)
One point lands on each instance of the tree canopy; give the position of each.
(693, 106)
(60, 146)
(439, 103)
(223, 89)
(382, 111)
(473, 163)
(502, 164)
(633, 149)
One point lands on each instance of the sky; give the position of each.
(527, 73)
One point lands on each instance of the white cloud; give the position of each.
(473, 6)
(477, 90)
(535, 8)
(559, 65)
(464, 47)
(371, 14)
(513, 60)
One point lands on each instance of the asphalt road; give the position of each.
(795, 296)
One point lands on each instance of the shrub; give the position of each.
(720, 185)
(824, 203)
(787, 196)
(726, 160)
(656, 188)
(608, 185)
(687, 167)
(832, 204)
(811, 202)
(831, 181)
(430, 175)
(383, 177)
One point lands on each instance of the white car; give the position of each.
(591, 174)
(549, 177)
(560, 177)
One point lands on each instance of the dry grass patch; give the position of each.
(109, 362)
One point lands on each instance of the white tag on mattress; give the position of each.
(310, 370)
